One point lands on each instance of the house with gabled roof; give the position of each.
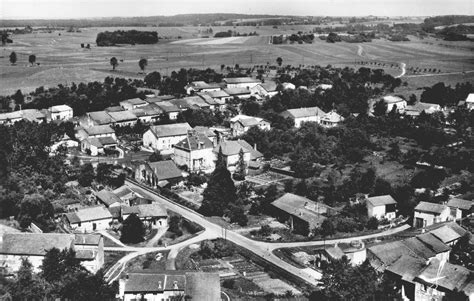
(126, 194)
(241, 93)
(169, 108)
(123, 118)
(61, 112)
(89, 219)
(163, 137)
(149, 113)
(266, 89)
(95, 132)
(153, 215)
(90, 250)
(201, 86)
(312, 114)
(108, 198)
(231, 153)
(96, 146)
(219, 96)
(99, 118)
(134, 103)
(331, 119)
(460, 208)
(158, 174)
(383, 206)
(241, 82)
(242, 123)
(190, 102)
(195, 152)
(470, 101)
(170, 285)
(426, 214)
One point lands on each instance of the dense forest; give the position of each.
(132, 37)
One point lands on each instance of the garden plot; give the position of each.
(267, 178)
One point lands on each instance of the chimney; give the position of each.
(175, 285)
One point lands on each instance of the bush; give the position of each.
(228, 283)
(373, 223)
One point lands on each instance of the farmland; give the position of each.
(63, 61)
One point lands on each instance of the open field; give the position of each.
(63, 61)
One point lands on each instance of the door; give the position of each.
(94, 226)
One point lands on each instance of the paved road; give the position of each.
(262, 249)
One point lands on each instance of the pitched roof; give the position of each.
(32, 114)
(123, 191)
(430, 207)
(159, 98)
(433, 243)
(237, 91)
(89, 214)
(303, 112)
(99, 130)
(167, 107)
(254, 154)
(100, 117)
(194, 141)
(418, 248)
(87, 239)
(461, 204)
(445, 234)
(190, 102)
(114, 109)
(381, 200)
(392, 99)
(60, 108)
(145, 210)
(122, 116)
(470, 97)
(241, 80)
(407, 267)
(148, 110)
(205, 130)
(388, 253)
(217, 94)
(208, 99)
(35, 243)
(165, 170)
(332, 117)
(448, 276)
(269, 86)
(107, 197)
(302, 208)
(167, 130)
(134, 101)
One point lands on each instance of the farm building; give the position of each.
(163, 137)
(108, 198)
(201, 86)
(427, 214)
(383, 206)
(61, 112)
(460, 208)
(161, 173)
(242, 123)
(133, 103)
(152, 215)
(241, 82)
(395, 101)
(312, 114)
(89, 219)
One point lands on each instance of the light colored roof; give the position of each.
(114, 109)
(423, 106)
(241, 80)
(392, 99)
(100, 117)
(448, 276)
(445, 234)
(303, 112)
(204, 85)
(134, 101)
(87, 239)
(460, 203)
(146, 210)
(194, 141)
(60, 108)
(122, 116)
(99, 130)
(217, 94)
(167, 106)
(190, 102)
(208, 99)
(165, 170)
(388, 253)
(35, 243)
(301, 207)
(107, 197)
(407, 267)
(381, 200)
(11, 115)
(32, 114)
(89, 214)
(254, 154)
(332, 117)
(159, 98)
(205, 130)
(237, 91)
(433, 243)
(123, 191)
(167, 130)
(470, 97)
(430, 207)
(418, 248)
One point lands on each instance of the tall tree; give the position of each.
(133, 230)
(220, 190)
(279, 61)
(32, 59)
(142, 63)
(13, 58)
(86, 175)
(241, 166)
(113, 62)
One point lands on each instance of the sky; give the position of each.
(64, 9)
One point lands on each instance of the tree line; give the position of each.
(112, 38)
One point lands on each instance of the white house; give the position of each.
(288, 86)
(152, 215)
(123, 118)
(32, 246)
(133, 103)
(383, 206)
(231, 152)
(392, 101)
(266, 89)
(195, 151)
(242, 123)
(163, 137)
(90, 250)
(170, 285)
(201, 86)
(168, 108)
(242, 82)
(416, 109)
(95, 132)
(89, 219)
(460, 208)
(96, 146)
(61, 112)
(427, 214)
(331, 119)
(312, 114)
(470, 101)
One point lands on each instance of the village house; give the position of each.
(241, 93)
(152, 215)
(231, 153)
(170, 285)
(355, 251)
(416, 109)
(61, 112)
(160, 173)
(312, 114)
(219, 96)
(148, 114)
(300, 213)
(395, 101)
(163, 137)
(190, 102)
(208, 132)
(133, 103)
(89, 219)
(331, 119)
(10, 117)
(427, 214)
(126, 194)
(447, 234)
(241, 82)
(213, 104)
(97, 146)
(65, 141)
(242, 123)
(381, 207)
(95, 132)
(123, 118)
(98, 118)
(169, 109)
(460, 208)
(159, 98)
(108, 198)
(201, 86)
(195, 152)
(90, 250)
(267, 89)
(33, 115)
(32, 246)
(470, 101)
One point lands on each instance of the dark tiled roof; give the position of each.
(430, 207)
(123, 116)
(302, 208)
(35, 243)
(303, 112)
(230, 148)
(461, 204)
(165, 170)
(167, 130)
(167, 107)
(107, 197)
(217, 94)
(407, 267)
(448, 276)
(254, 154)
(445, 234)
(419, 248)
(237, 91)
(194, 141)
(106, 141)
(433, 243)
(381, 200)
(100, 117)
(388, 253)
(99, 130)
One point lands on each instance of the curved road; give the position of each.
(261, 249)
